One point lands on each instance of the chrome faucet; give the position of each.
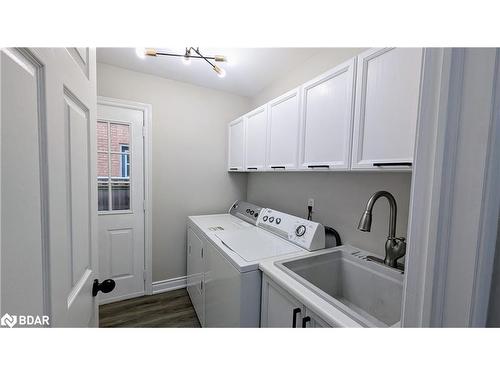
(395, 247)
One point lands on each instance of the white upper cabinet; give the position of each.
(256, 139)
(283, 131)
(236, 152)
(327, 119)
(387, 96)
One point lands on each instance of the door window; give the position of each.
(113, 166)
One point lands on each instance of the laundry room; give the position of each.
(256, 187)
(193, 111)
(218, 187)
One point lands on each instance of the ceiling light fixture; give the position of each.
(187, 56)
(187, 60)
(140, 52)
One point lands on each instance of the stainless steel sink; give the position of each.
(368, 292)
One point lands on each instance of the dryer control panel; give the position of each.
(304, 233)
(245, 211)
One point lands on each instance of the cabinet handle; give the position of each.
(233, 169)
(278, 167)
(392, 164)
(294, 319)
(305, 320)
(252, 168)
(318, 166)
(201, 285)
(202, 252)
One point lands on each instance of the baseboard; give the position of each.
(168, 285)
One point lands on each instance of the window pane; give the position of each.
(102, 136)
(120, 166)
(102, 164)
(120, 193)
(119, 137)
(103, 194)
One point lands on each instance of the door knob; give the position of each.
(106, 286)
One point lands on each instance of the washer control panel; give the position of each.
(304, 233)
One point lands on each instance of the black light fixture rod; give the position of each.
(191, 57)
(201, 56)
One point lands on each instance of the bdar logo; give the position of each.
(8, 320)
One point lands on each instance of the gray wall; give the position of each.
(312, 67)
(340, 198)
(189, 155)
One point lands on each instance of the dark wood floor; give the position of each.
(171, 309)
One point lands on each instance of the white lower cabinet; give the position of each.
(279, 309)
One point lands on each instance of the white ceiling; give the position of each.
(249, 70)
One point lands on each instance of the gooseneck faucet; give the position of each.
(395, 247)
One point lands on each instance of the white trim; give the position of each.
(490, 213)
(441, 263)
(163, 286)
(147, 110)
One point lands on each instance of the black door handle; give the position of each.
(305, 320)
(106, 286)
(294, 319)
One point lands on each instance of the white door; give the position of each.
(236, 152)
(283, 132)
(387, 96)
(120, 176)
(327, 119)
(256, 139)
(49, 248)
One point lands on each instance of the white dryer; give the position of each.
(224, 252)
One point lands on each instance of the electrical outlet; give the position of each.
(310, 202)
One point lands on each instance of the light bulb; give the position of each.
(139, 51)
(186, 60)
(220, 72)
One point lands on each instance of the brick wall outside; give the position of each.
(119, 136)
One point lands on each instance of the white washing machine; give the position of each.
(224, 252)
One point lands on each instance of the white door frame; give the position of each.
(448, 275)
(148, 185)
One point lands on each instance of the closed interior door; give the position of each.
(120, 178)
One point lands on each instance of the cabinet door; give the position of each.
(327, 119)
(278, 308)
(283, 132)
(256, 139)
(195, 272)
(314, 321)
(387, 97)
(236, 152)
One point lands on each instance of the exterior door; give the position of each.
(120, 178)
(48, 226)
